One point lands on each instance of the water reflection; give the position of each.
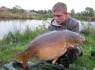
(18, 25)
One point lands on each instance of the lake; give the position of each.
(7, 26)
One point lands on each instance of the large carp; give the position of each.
(49, 46)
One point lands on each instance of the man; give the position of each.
(62, 20)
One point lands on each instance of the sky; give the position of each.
(77, 5)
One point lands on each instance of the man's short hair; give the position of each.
(59, 6)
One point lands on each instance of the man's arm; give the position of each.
(73, 25)
(75, 28)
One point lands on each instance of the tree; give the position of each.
(72, 12)
(16, 9)
(89, 11)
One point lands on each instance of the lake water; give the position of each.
(20, 25)
(7, 26)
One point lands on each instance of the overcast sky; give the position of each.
(77, 5)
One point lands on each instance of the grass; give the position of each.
(86, 62)
(8, 52)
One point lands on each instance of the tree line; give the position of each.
(17, 12)
(88, 14)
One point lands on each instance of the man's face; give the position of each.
(59, 16)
